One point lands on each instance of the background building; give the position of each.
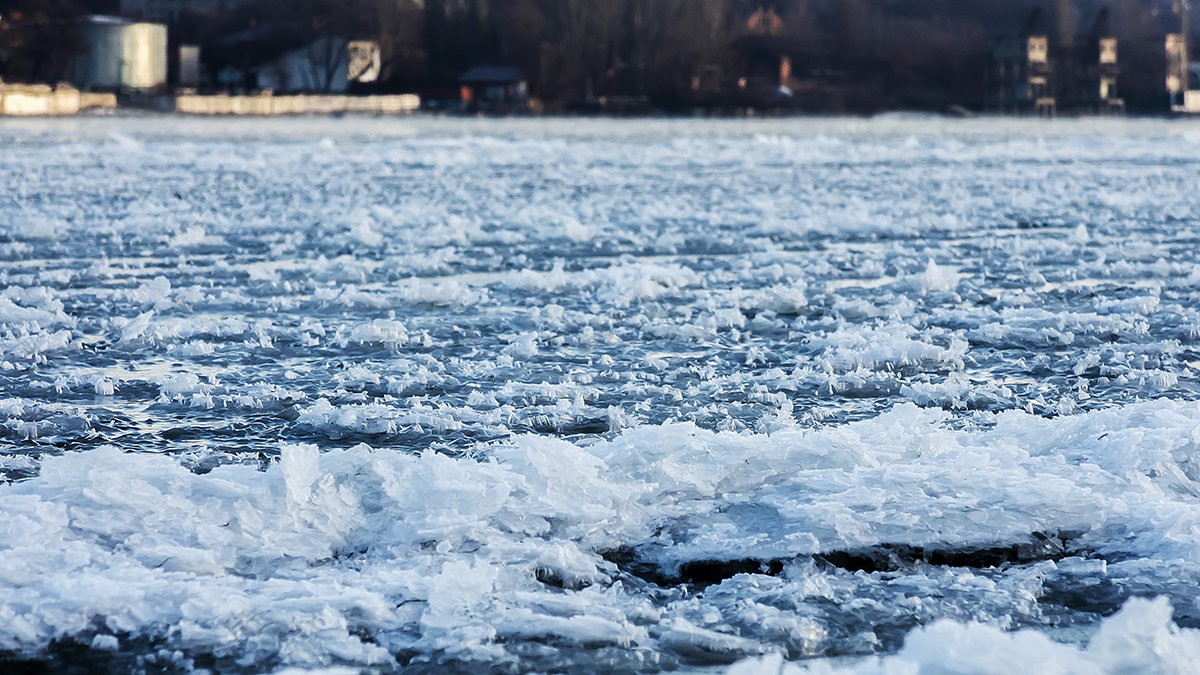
(120, 54)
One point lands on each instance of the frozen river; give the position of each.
(457, 395)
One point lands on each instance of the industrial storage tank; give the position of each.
(119, 54)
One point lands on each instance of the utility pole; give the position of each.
(1184, 9)
(1062, 50)
(1178, 70)
(1065, 24)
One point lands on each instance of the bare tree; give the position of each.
(40, 46)
(578, 53)
(401, 38)
(306, 39)
(674, 40)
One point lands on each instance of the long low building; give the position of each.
(266, 104)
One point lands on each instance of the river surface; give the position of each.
(438, 395)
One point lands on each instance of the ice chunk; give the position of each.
(523, 346)
(1139, 638)
(136, 327)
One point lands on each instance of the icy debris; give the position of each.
(431, 552)
(195, 235)
(935, 278)
(1142, 304)
(683, 283)
(1038, 327)
(135, 328)
(444, 293)
(106, 643)
(577, 231)
(182, 384)
(545, 391)
(32, 349)
(167, 329)
(103, 386)
(530, 280)
(48, 316)
(324, 670)
(384, 331)
(356, 376)
(1148, 379)
(958, 393)
(125, 143)
(888, 345)
(523, 346)
(1139, 638)
(787, 298)
(706, 644)
(373, 418)
(193, 348)
(365, 234)
(618, 285)
(263, 272)
(260, 393)
(155, 292)
(39, 229)
(30, 419)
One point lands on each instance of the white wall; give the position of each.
(118, 54)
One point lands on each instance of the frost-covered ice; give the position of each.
(812, 396)
(1141, 638)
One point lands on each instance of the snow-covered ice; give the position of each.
(881, 396)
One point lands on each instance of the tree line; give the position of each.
(854, 55)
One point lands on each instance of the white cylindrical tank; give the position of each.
(119, 53)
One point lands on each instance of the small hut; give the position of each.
(493, 89)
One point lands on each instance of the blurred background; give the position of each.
(620, 56)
